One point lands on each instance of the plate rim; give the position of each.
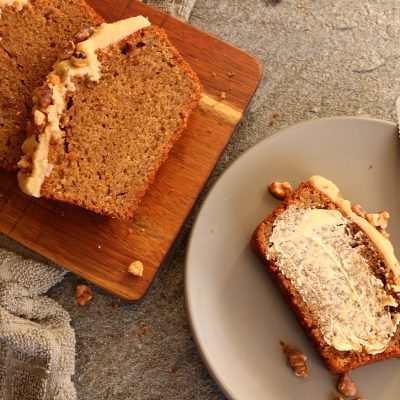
(219, 379)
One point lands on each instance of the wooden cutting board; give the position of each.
(99, 248)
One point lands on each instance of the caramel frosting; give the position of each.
(313, 249)
(84, 62)
(382, 244)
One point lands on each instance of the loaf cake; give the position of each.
(336, 267)
(32, 33)
(106, 118)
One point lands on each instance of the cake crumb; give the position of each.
(222, 95)
(274, 119)
(301, 5)
(231, 74)
(370, 167)
(213, 74)
(136, 268)
(296, 360)
(346, 386)
(130, 231)
(83, 294)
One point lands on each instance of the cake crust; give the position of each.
(307, 196)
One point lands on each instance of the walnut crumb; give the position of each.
(136, 268)
(83, 294)
(274, 119)
(280, 190)
(346, 386)
(143, 330)
(296, 360)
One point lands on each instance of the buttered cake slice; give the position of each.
(336, 267)
(106, 118)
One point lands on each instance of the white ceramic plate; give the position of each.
(236, 314)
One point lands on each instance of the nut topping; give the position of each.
(83, 294)
(296, 360)
(136, 268)
(357, 209)
(43, 94)
(25, 164)
(83, 34)
(346, 386)
(54, 80)
(280, 190)
(379, 221)
(39, 118)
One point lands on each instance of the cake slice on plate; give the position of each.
(33, 34)
(336, 267)
(106, 118)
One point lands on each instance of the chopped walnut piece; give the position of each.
(379, 220)
(274, 119)
(136, 268)
(280, 190)
(83, 34)
(296, 360)
(357, 209)
(39, 118)
(43, 94)
(54, 79)
(346, 386)
(83, 294)
(25, 164)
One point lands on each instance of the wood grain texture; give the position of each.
(99, 248)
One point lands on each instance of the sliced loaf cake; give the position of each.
(106, 118)
(337, 269)
(33, 34)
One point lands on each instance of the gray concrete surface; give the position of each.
(329, 58)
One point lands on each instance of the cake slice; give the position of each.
(336, 267)
(106, 118)
(33, 34)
